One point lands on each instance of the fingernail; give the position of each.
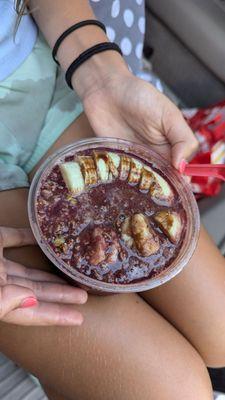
(29, 302)
(182, 166)
(83, 298)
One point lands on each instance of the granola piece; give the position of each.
(59, 241)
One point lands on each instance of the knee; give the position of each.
(184, 375)
(213, 354)
(210, 345)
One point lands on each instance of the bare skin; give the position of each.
(118, 354)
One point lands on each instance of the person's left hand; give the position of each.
(34, 297)
(124, 106)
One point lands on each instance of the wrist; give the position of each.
(97, 71)
(92, 74)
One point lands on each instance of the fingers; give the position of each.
(181, 137)
(13, 237)
(3, 274)
(19, 270)
(45, 314)
(51, 292)
(12, 297)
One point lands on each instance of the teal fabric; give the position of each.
(36, 106)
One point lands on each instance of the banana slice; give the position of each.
(147, 178)
(136, 232)
(88, 169)
(160, 189)
(124, 167)
(170, 223)
(72, 176)
(146, 242)
(102, 163)
(135, 171)
(126, 233)
(114, 163)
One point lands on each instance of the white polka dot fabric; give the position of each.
(219, 396)
(125, 25)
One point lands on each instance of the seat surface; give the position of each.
(16, 384)
(200, 25)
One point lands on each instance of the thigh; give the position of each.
(52, 395)
(124, 350)
(194, 301)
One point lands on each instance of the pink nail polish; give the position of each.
(29, 302)
(182, 166)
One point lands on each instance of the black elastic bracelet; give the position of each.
(98, 48)
(72, 29)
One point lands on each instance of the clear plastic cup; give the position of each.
(146, 154)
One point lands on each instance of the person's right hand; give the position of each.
(34, 297)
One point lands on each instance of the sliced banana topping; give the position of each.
(88, 169)
(145, 240)
(171, 224)
(72, 176)
(103, 166)
(124, 167)
(135, 171)
(102, 163)
(160, 189)
(147, 178)
(135, 231)
(114, 163)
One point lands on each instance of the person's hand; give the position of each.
(34, 297)
(124, 106)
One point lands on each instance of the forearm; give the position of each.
(53, 18)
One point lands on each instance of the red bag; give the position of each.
(209, 126)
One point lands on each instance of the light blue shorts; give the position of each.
(36, 106)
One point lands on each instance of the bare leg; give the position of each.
(194, 301)
(124, 350)
(52, 395)
(116, 354)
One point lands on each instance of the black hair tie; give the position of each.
(98, 48)
(72, 29)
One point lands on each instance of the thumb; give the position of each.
(182, 140)
(13, 296)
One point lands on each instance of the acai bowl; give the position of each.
(113, 216)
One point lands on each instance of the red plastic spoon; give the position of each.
(215, 170)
